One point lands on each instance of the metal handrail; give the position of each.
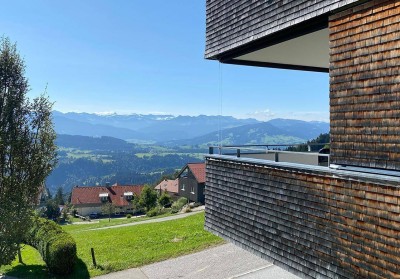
(247, 147)
(240, 148)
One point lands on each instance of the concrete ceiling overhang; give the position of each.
(309, 52)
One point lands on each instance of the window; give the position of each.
(192, 191)
(103, 197)
(128, 195)
(183, 187)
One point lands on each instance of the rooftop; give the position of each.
(90, 194)
(169, 185)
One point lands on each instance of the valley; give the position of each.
(140, 149)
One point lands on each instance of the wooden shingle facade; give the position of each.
(365, 86)
(312, 221)
(340, 221)
(233, 24)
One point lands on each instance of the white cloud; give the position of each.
(307, 115)
(267, 114)
(262, 115)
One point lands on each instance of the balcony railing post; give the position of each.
(276, 156)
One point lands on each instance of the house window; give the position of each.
(128, 196)
(192, 191)
(183, 187)
(103, 197)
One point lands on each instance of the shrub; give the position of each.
(57, 248)
(128, 216)
(139, 211)
(177, 206)
(148, 198)
(164, 199)
(153, 212)
(182, 201)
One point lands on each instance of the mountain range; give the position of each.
(142, 128)
(102, 148)
(187, 130)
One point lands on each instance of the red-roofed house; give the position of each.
(170, 186)
(192, 180)
(91, 199)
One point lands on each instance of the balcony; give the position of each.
(302, 216)
(314, 154)
(279, 34)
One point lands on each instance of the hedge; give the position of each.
(57, 248)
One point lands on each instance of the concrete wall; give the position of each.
(292, 157)
(313, 221)
(365, 85)
(86, 210)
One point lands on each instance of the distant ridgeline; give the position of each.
(315, 144)
(88, 161)
(187, 130)
(93, 148)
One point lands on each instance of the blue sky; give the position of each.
(136, 56)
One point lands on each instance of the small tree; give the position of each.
(52, 210)
(108, 209)
(148, 198)
(27, 150)
(164, 199)
(59, 198)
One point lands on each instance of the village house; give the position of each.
(90, 199)
(335, 221)
(192, 179)
(169, 186)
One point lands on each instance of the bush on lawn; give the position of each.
(57, 248)
(153, 212)
(164, 200)
(128, 216)
(177, 206)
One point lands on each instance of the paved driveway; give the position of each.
(221, 262)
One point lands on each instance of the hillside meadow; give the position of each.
(123, 247)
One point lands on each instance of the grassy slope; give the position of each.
(104, 222)
(126, 247)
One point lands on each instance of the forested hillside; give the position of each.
(277, 131)
(107, 157)
(91, 161)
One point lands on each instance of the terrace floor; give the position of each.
(221, 262)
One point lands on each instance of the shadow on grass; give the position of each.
(40, 271)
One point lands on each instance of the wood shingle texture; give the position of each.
(235, 23)
(317, 223)
(365, 85)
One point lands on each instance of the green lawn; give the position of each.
(126, 247)
(104, 222)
